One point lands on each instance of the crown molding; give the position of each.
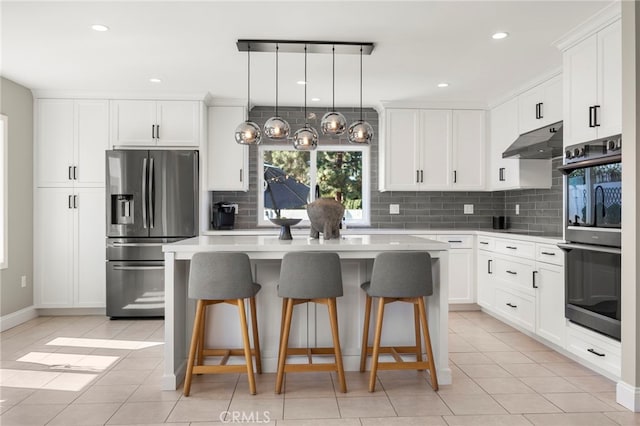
(523, 88)
(84, 94)
(607, 16)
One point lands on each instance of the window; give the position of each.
(291, 179)
(3, 190)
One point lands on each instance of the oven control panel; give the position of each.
(598, 148)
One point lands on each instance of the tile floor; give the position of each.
(95, 376)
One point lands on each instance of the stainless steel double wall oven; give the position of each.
(593, 216)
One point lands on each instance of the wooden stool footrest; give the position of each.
(210, 369)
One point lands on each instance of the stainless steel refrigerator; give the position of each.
(152, 199)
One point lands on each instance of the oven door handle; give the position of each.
(568, 168)
(589, 247)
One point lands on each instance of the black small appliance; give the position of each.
(223, 215)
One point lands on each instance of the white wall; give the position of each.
(16, 102)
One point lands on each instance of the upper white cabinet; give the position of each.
(228, 162)
(592, 72)
(540, 106)
(511, 173)
(72, 136)
(432, 150)
(155, 123)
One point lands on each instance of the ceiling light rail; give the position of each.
(312, 46)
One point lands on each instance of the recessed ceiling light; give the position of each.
(301, 82)
(315, 99)
(99, 27)
(443, 84)
(155, 80)
(500, 35)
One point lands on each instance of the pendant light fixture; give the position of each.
(333, 122)
(248, 132)
(306, 138)
(360, 132)
(277, 127)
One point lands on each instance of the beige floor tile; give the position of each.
(419, 405)
(123, 377)
(549, 384)
(610, 398)
(458, 344)
(199, 411)
(526, 403)
(403, 421)
(131, 363)
(593, 383)
(509, 358)
(461, 358)
(318, 422)
(154, 394)
(311, 408)
(85, 414)
(266, 409)
(472, 404)
(357, 385)
(476, 371)
(461, 386)
(493, 325)
(211, 390)
(577, 402)
(366, 407)
(308, 389)
(26, 415)
(141, 412)
(546, 356)
(528, 370)
(503, 385)
(488, 420)
(569, 369)
(106, 394)
(626, 418)
(570, 419)
(45, 396)
(406, 387)
(265, 387)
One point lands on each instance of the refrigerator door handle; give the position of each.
(144, 193)
(138, 268)
(138, 244)
(152, 195)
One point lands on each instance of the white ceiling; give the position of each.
(48, 46)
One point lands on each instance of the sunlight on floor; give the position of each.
(62, 361)
(103, 343)
(45, 380)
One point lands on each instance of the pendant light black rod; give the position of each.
(248, 80)
(333, 97)
(277, 47)
(360, 83)
(306, 121)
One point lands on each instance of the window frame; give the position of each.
(4, 192)
(366, 180)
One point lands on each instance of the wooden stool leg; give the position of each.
(284, 343)
(201, 337)
(365, 334)
(376, 346)
(192, 348)
(247, 346)
(427, 343)
(333, 316)
(416, 325)
(283, 316)
(256, 338)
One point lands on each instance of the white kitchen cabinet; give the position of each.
(468, 149)
(540, 106)
(72, 136)
(516, 307)
(228, 162)
(511, 173)
(549, 288)
(69, 248)
(592, 84)
(432, 150)
(155, 123)
(461, 256)
(486, 287)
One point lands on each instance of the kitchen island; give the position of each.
(309, 328)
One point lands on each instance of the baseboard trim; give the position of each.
(18, 317)
(628, 396)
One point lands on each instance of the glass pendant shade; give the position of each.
(333, 123)
(277, 128)
(305, 139)
(248, 133)
(360, 132)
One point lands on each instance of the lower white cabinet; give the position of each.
(486, 287)
(517, 307)
(549, 287)
(70, 248)
(461, 270)
(600, 351)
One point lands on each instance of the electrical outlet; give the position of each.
(468, 209)
(517, 208)
(394, 208)
(23, 281)
(235, 205)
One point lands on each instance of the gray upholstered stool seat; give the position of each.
(222, 278)
(399, 277)
(309, 277)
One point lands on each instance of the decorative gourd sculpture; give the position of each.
(325, 215)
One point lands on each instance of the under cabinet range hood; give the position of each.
(539, 144)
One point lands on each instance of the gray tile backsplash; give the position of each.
(540, 210)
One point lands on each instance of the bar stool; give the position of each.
(222, 278)
(399, 277)
(309, 277)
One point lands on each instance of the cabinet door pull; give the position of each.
(484, 242)
(75, 173)
(240, 175)
(512, 248)
(153, 131)
(548, 253)
(591, 109)
(454, 241)
(511, 272)
(511, 305)
(593, 351)
(540, 115)
(455, 176)
(533, 279)
(501, 174)
(75, 201)
(596, 123)
(537, 111)
(70, 202)
(421, 176)
(70, 173)
(417, 176)
(157, 131)
(489, 271)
